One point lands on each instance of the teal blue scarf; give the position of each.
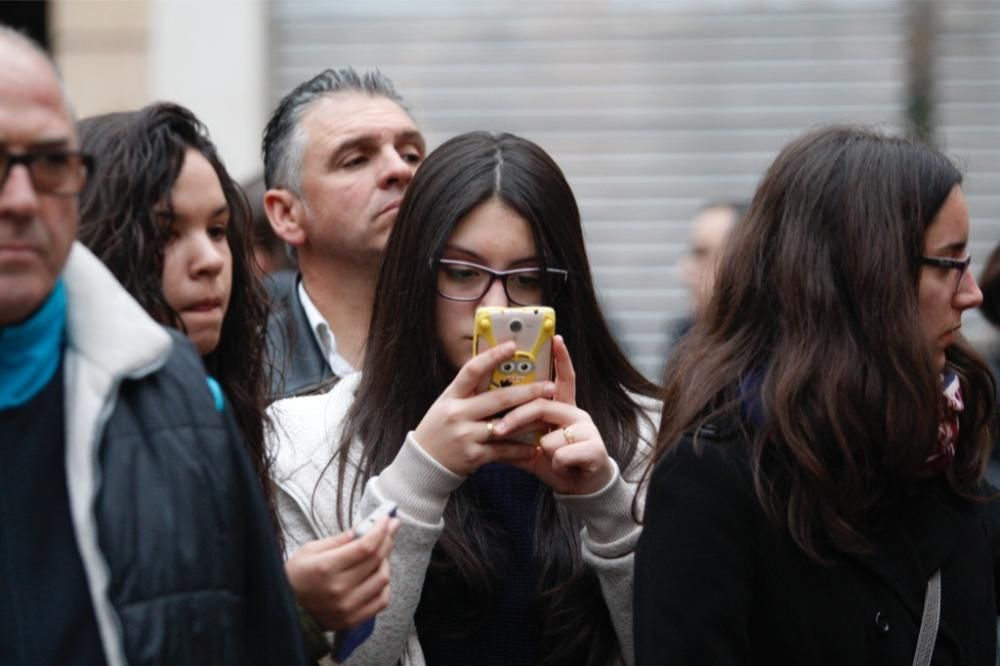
(30, 351)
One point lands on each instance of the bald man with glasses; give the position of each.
(132, 528)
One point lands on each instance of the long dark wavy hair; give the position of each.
(405, 369)
(814, 330)
(139, 155)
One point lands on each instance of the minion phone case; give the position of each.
(531, 328)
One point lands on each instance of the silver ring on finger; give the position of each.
(568, 434)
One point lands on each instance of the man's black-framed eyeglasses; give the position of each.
(465, 281)
(61, 172)
(960, 265)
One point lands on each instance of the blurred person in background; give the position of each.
(132, 528)
(709, 229)
(164, 215)
(818, 477)
(269, 251)
(989, 282)
(339, 152)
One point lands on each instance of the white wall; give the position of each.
(211, 56)
(101, 47)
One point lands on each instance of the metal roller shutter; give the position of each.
(653, 108)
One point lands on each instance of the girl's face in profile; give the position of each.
(491, 236)
(944, 293)
(197, 263)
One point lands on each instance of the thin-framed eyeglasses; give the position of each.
(960, 265)
(62, 172)
(465, 281)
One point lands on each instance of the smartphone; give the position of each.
(532, 329)
(347, 641)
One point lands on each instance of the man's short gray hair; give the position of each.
(284, 137)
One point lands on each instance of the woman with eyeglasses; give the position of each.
(163, 214)
(508, 553)
(816, 496)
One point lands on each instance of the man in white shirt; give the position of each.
(339, 152)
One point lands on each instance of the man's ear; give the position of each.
(284, 212)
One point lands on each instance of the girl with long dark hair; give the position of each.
(829, 428)
(163, 214)
(508, 553)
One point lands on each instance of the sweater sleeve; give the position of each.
(694, 564)
(611, 531)
(609, 538)
(420, 487)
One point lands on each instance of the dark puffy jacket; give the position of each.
(176, 543)
(195, 572)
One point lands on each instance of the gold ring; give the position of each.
(489, 428)
(568, 434)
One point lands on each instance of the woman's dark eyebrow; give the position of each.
(475, 257)
(952, 248)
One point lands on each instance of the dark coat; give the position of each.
(716, 583)
(195, 575)
(297, 361)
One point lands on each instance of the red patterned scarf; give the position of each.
(952, 406)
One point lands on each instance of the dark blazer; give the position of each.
(717, 584)
(297, 362)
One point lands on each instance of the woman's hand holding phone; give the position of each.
(457, 430)
(572, 458)
(342, 581)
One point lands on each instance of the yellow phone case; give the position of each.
(532, 328)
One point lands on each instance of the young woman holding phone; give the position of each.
(509, 553)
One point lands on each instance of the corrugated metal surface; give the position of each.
(653, 108)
